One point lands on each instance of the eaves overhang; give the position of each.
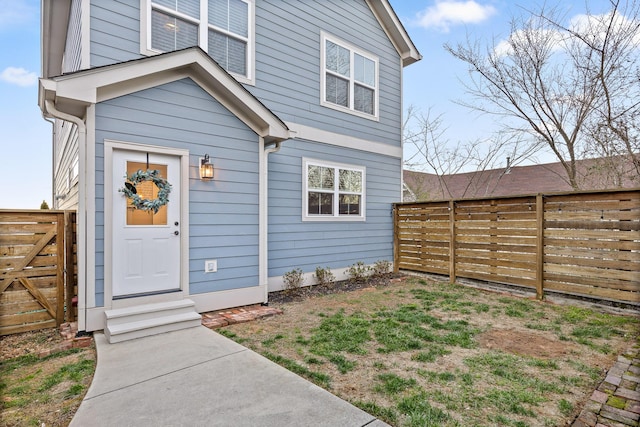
(396, 32)
(73, 92)
(54, 20)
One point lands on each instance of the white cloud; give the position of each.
(18, 76)
(550, 38)
(446, 13)
(597, 26)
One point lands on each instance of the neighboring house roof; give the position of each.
(55, 16)
(518, 180)
(72, 93)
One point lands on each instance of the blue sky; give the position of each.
(25, 149)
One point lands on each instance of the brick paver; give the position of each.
(220, 318)
(621, 387)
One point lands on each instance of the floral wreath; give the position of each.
(138, 202)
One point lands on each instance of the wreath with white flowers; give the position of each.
(153, 175)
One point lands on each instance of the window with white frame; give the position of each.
(349, 78)
(223, 28)
(333, 191)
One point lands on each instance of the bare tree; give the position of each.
(573, 88)
(433, 152)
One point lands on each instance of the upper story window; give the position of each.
(333, 191)
(349, 78)
(223, 28)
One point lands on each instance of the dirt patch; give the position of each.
(525, 343)
(43, 378)
(33, 342)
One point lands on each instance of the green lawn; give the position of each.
(418, 353)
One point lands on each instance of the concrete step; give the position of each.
(148, 311)
(150, 319)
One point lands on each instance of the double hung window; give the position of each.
(223, 28)
(333, 191)
(349, 78)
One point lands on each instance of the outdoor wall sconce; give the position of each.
(206, 168)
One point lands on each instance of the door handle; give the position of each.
(176, 232)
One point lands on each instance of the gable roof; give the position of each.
(518, 180)
(73, 92)
(396, 32)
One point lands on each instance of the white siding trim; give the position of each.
(345, 141)
(90, 206)
(85, 31)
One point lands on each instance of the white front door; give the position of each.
(146, 245)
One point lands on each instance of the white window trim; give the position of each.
(323, 74)
(203, 37)
(336, 216)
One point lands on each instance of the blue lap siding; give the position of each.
(223, 213)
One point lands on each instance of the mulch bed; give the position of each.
(303, 293)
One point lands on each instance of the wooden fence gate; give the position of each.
(36, 249)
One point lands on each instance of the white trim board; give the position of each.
(346, 141)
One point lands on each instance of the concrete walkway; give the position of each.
(196, 377)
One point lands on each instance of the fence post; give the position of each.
(539, 246)
(452, 241)
(60, 252)
(396, 239)
(69, 265)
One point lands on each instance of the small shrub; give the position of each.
(381, 268)
(293, 281)
(324, 277)
(358, 271)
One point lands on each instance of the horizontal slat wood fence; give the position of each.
(578, 243)
(34, 247)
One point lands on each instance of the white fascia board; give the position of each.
(396, 32)
(108, 82)
(340, 140)
(54, 19)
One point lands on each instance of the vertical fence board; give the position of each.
(539, 246)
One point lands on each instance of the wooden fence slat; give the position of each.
(34, 246)
(567, 242)
(27, 259)
(38, 296)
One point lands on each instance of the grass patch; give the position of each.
(47, 390)
(431, 355)
(339, 333)
(409, 352)
(323, 380)
(388, 415)
(419, 412)
(393, 384)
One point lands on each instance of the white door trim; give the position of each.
(109, 147)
